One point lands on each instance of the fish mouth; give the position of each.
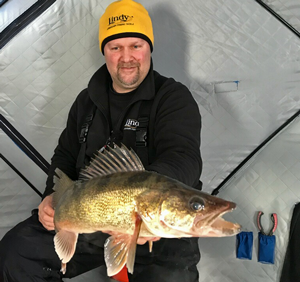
(216, 226)
(220, 227)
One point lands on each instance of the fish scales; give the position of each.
(105, 202)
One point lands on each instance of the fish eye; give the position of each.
(197, 204)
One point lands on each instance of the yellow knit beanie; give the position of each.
(125, 18)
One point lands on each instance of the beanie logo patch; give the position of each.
(119, 20)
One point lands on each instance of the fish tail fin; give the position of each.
(65, 245)
(61, 183)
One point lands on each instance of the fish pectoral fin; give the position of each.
(120, 250)
(116, 253)
(65, 245)
(133, 242)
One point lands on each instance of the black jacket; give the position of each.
(174, 127)
(291, 266)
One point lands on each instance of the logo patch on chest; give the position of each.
(131, 124)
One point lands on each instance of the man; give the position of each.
(120, 98)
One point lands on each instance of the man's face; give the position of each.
(128, 62)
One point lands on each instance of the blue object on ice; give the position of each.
(266, 252)
(244, 245)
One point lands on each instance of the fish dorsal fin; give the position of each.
(110, 160)
(61, 183)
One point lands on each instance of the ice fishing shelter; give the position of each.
(241, 61)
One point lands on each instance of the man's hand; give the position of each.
(143, 240)
(46, 213)
(140, 240)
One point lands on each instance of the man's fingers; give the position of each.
(49, 211)
(154, 239)
(49, 227)
(47, 222)
(46, 213)
(140, 240)
(143, 240)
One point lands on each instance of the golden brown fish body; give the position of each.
(167, 207)
(102, 203)
(132, 204)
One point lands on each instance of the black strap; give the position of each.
(83, 136)
(144, 139)
(142, 132)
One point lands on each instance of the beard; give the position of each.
(129, 80)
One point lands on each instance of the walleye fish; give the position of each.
(116, 194)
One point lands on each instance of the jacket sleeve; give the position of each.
(66, 152)
(177, 136)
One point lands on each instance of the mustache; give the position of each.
(128, 65)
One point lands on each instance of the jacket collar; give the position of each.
(98, 88)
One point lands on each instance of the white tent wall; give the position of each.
(207, 45)
(270, 183)
(12, 10)
(288, 10)
(223, 41)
